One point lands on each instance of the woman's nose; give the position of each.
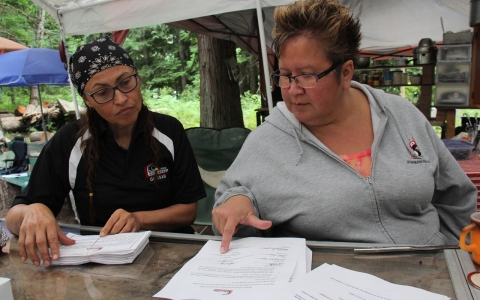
(119, 97)
(294, 88)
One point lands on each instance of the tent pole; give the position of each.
(67, 61)
(263, 47)
(41, 111)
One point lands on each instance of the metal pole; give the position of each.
(263, 47)
(65, 50)
(44, 127)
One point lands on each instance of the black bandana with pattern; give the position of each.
(95, 57)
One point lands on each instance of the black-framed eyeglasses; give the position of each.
(305, 81)
(125, 85)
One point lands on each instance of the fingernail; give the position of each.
(222, 250)
(102, 234)
(46, 263)
(55, 256)
(24, 258)
(36, 263)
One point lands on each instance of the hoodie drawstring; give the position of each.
(299, 145)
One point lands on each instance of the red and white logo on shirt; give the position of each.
(150, 172)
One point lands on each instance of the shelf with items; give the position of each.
(453, 76)
(390, 75)
(422, 95)
(393, 67)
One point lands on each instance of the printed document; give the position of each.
(334, 282)
(251, 269)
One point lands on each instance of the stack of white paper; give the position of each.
(252, 269)
(334, 282)
(121, 248)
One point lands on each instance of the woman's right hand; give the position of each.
(237, 210)
(40, 231)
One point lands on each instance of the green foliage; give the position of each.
(19, 22)
(186, 107)
(163, 56)
(12, 97)
(164, 101)
(166, 58)
(249, 104)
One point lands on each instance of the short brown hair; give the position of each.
(327, 22)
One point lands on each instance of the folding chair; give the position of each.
(20, 162)
(215, 150)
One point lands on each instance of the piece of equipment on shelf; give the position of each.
(425, 53)
(362, 62)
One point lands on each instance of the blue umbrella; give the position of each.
(33, 67)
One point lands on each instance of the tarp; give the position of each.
(387, 25)
(95, 16)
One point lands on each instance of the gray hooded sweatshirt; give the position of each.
(416, 194)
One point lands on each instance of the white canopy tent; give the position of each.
(387, 25)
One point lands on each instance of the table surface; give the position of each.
(441, 271)
(471, 166)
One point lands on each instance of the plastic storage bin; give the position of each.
(455, 53)
(453, 73)
(461, 150)
(452, 95)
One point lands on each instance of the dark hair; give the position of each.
(90, 145)
(326, 22)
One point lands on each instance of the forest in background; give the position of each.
(166, 57)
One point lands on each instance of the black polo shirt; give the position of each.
(123, 179)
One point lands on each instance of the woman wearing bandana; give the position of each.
(128, 168)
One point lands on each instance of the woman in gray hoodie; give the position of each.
(338, 160)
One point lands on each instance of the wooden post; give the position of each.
(475, 76)
(447, 115)
(425, 101)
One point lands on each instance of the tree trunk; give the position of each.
(34, 96)
(38, 39)
(7, 194)
(183, 61)
(13, 124)
(40, 28)
(12, 98)
(38, 136)
(220, 105)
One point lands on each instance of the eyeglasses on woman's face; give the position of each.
(125, 85)
(305, 81)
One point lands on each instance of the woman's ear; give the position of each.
(347, 73)
(86, 101)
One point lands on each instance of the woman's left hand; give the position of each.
(121, 221)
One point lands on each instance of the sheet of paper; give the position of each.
(304, 265)
(15, 175)
(334, 282)
(252, 269)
